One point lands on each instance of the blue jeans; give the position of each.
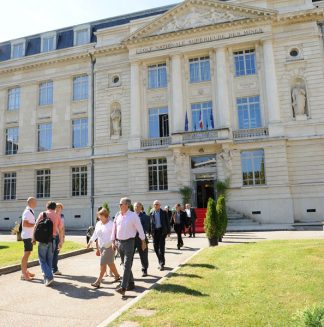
(56, 251)
(45, 256)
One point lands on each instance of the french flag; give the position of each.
(201, 123)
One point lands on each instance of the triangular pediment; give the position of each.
(193, 14)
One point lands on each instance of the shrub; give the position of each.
(106, 206)
(211, 223)
(222, 187)
(185, 192)
(222, 215)
(310, 317)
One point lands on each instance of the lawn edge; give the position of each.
(33, 263)
(127, 306)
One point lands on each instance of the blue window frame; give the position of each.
(202, 116)
(14, 98)
(253, 168)
(46, 93)
(245, 62)
(12, 135)
(199, 69)
(45, 137)
(80, 87)
(158, 122)
(157, 76)
(249, 113)
(80, 133)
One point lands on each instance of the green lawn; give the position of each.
(256, 284)
(11, 252)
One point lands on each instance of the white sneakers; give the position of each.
(48, 282)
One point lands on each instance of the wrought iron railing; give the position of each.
(155, 142)
(251, 133)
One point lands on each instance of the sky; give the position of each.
(20, 18)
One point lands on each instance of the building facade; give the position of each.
(186, 95)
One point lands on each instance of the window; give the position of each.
(80, 133)
(45, 137)
(80, 87)
(12, 140)
(48, 43)
(79, 181)
(81, 36)
(17, 50)
(10, 181)
(248, 110)
(14, 98)
(46, 93)
(199, 69)
(253, 170)
(157, 76)
(158, 174)
(244, 62)
(159, 122)
(202, 116)
(43, 183)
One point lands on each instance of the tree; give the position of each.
(106, 206)
(222, 216)
(148, 210)
(211, 223)
(222, 187)
(185, 192)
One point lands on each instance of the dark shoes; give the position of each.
(144, 273)
(161, 267)
(121, 290)
(130, 287)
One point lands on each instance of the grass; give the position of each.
(255, 284)
(11, 252)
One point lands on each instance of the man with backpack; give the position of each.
(47, 225)
(27, 227)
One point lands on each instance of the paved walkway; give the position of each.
(71, 301)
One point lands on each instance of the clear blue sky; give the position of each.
(20, 18)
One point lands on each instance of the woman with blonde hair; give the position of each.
(102, 233)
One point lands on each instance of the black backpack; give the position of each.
(44, 230)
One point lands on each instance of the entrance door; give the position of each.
(205, 190)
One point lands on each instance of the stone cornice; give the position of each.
(46, 59)
(296, 17)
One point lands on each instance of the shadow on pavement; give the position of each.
(167, 288)
(84, 293)
(81, 279)
(3, 247)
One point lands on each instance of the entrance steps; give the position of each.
(238, 222)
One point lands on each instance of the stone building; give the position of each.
(143, 104)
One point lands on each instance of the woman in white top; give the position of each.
(102, 233)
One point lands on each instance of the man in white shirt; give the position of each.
(126, 225)
(28, 223)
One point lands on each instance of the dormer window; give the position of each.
(81, 35)
(49, 42)
(17, 49)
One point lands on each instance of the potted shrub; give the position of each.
(15, 231)
(222, 216)
(211, 223)
(185, 192)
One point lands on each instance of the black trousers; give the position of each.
(178, 229)
(159, 245)
(192, 228)
(143, 254)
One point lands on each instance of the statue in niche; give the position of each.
(115, 119)
(298, 96)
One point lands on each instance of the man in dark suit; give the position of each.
(179, 219)
(160, 228)
(191, 214)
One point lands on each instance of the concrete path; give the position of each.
(71, 301)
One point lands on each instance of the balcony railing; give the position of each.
(251, 133)
(155, 142)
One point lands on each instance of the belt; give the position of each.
(129, 239)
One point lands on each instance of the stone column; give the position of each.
(272, 96)
(222, 102)
(135, 105)
(178, 118)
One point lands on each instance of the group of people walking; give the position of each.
(127, 232)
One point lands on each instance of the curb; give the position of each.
(17, 267)
(118, 313)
